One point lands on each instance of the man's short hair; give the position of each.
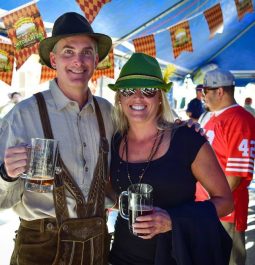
(199, 88)
(13, 94)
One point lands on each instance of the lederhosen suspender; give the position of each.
(63, 179)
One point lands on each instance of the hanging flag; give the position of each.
(6, 62)
(47, 74)
(146, 45)
(105, 68)
(91, 8)
(214, 20)
(25, 29)
(243, 7)
(181, 38)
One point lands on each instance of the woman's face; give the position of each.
(139, 108)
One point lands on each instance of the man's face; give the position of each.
(75, 59)
(199, 94)
(211, 98)
(16, 98)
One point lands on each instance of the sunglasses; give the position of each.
(146, 92)
(206, 89)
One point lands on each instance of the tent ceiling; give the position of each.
(127, 20)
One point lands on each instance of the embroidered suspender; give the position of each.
(63, 179)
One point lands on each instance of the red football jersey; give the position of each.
(232, 136)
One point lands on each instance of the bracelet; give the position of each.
(5, 176)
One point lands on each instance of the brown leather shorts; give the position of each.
(35, 243)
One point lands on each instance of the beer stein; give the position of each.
(42, 156)
(140, 202)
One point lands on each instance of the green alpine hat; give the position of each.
(141, 71)
(71, 24)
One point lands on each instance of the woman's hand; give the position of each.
(150, 225)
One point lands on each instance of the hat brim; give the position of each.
(104, 44)
(140, 83)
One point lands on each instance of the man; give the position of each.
(15, 98)
(74, 50)
(231, 131)
(195, 107)
(248, 107)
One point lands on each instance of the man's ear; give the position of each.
(53, 60)
(221, 91)
(96, 60)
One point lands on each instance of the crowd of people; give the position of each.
(200, 197)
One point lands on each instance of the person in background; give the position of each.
(148, 147)
(74, 50)
(15, 98)
(231, 132)
(195, 107)
(248, 107)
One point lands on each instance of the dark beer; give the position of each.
(134, 213)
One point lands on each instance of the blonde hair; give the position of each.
(165, 117)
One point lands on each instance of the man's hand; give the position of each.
(191, 124)
(15, 160)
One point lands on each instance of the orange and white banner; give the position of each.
(105, 68)
(91, 8)
(25, 29)
(6, 62)
(181, 38)
(47, 74)
(146, 45)
(243, 7)
(214, 19)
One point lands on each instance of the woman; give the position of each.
(149, 148)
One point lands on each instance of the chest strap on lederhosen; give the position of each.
(63, 179)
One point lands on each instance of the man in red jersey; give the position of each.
(231, 132)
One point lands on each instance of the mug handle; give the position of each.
(24, 175)
(122, 214)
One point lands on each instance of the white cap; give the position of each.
(218, 78)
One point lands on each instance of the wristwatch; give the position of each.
(4, 174)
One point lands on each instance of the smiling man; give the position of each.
(81, 123)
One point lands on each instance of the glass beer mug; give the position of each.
(42, 158)
(140, 202)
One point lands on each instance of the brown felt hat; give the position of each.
(70, 24)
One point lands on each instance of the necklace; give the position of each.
(152, 154)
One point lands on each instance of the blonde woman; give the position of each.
(148, 148)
